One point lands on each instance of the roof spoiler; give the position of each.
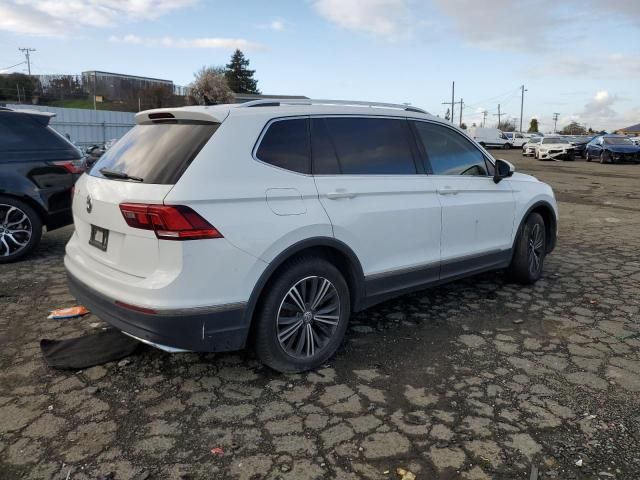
(214, 114)
(43, 118)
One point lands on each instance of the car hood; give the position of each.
(556, 145)
(623, 148)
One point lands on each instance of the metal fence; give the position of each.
(86, 127)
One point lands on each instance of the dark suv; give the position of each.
(38, 168)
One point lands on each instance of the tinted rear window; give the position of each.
(371, 146)
(157, 153)
(286, 145)
(21, 133)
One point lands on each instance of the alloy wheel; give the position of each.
(15, 230)
(308, 317)
(535, 250)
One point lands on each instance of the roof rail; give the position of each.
(276, 102)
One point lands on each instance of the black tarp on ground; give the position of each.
(88, 351)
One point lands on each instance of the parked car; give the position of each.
(207, 228)
(612, 149)
(529, 148)
(516, 139)
(554, 148)
(580, 144)
(489, 137)
(38, 168)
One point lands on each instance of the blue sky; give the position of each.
(576, 57)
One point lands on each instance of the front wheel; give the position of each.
(602, 158)
(20, 229)
(529, 252)
(303, 316)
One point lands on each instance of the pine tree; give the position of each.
(447, 116)
(239, 77)
(533, 126)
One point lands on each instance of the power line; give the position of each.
(27, 52)
(7, 68)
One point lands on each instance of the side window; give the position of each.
(19, 132)
(286, 145)
(449, 152)
(370, 146)
(323, 151)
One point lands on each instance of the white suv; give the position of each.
(205, 228)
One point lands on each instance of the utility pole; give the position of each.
(522, 106)
(499, 115)
(461, 107)
(27, 52)
(484, 118)
(555, 121)
(453, 90)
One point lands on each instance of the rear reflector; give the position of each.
(169, 222)
(70, 166)
(135, 308)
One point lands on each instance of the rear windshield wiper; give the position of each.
(107, 172)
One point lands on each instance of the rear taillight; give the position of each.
(170, 222)
(70, 166)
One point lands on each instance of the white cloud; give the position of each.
(171, 42)
(277, 25)
(57, 17)
(388, 19)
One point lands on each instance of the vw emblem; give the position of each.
(89, 204)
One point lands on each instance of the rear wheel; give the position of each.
(602, 158)
(20, 229)
(507, 146)
(303, 316)
(587, 157)
(530, 250)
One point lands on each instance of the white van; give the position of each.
(517, 139)
(489, 137)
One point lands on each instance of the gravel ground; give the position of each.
(476, 379)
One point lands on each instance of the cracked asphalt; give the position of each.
(476, 379)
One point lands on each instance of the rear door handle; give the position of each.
(448, 191)
(340, 193)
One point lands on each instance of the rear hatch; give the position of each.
(141, 168)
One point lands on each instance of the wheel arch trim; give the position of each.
(551, 232)
(356, 281)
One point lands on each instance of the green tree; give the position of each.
(533, 126)
(463, 126)
(447, 116)
(239, 77)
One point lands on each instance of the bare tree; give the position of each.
(507, 126)
(210, 87)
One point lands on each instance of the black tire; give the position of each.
(12, 234)
(523, 268)
(602, 158)
(482, 144)
(586, 156)
(507, 146)
(269, 335)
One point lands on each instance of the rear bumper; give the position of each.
(209, 329)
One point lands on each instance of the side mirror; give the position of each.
(504, 169)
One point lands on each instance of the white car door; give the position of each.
(477, 213)
(379, 201)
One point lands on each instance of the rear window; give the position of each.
(157, 153)
(22, 133)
